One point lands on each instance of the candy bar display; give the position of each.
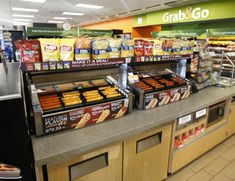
(157, 90)
(77, 104)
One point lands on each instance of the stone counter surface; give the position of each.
(58, 148)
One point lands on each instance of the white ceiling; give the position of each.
(112, 9)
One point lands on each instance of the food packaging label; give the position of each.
(50, 49)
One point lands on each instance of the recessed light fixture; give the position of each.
(23, 15)
(35, 1)
(52, 21)
(62, 18)
(24, 9)
(91, 6)
(25, 20)
(73, 13)
(20, 23)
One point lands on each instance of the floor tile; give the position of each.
(216, 166)
(230, 142)
(200, 163)
(217, 151)
(200, 176)
(181, 175)
(229, 170)
(221, 177)
(229, 154)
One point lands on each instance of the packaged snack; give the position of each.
(139, 47)
(83, 49)
(50, 49)
(100, 48)
(114, 48)
(29, 50)
(157, 47)
(167, 47)
(67, 49)
(148, 48)
(127, 48)
(176, 47)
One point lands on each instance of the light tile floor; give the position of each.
(216, 165)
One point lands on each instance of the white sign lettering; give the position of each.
(187, 14)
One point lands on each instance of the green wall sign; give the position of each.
(198, 12)
(221, 32)
(60, 32)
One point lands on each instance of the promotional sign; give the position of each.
(198, 12)
(221, 32)
(48, 31)
(85, 116)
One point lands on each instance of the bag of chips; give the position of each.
(100, 48)
(29, 50)
(83, 49)
(139, 47)
(114, 48)
(127, 48)
(67, 49)
(157, 47)
(50, 49)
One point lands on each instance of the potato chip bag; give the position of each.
(67, 49)
(127, 48)
(114, 48)
(100, 48)
(83, 49)
(50, 49)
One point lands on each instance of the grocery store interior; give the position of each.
(124, 90)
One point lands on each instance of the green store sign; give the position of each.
(199, 12)
(60, 32)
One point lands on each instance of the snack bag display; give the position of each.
(114, 48)
(100, 48)
(50, 49)
(29, 50)
(148, 47)
(167, 47)
(139, 47)
(83, 49)
(67, 49)
(176, 47)
(127, 48)
(157, 47)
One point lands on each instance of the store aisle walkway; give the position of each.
(216, 165)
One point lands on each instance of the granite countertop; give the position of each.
(57, 148)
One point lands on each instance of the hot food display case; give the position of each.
(153, 89)
(66, 100)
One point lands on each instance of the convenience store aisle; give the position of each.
(216, 165)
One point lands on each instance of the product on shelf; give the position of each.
(158, 90)
(71, 98)
(83, 48)
(67, 49)
(114, 48)
(157, 47)
(65, 87)
(49, 102)
(50, 49)
(29, 50)
(148, 48)
(100, 48)
(139, 47)
(127, 48)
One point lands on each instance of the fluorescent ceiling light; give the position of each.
(72, 13)
(24, 9)
(62, 18)
(89, 6)
(35, 1)
(25, 20)
(20, 23)
(52, 21)
(23, 15)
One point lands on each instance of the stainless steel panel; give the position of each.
(88, 166)
(148, 142)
